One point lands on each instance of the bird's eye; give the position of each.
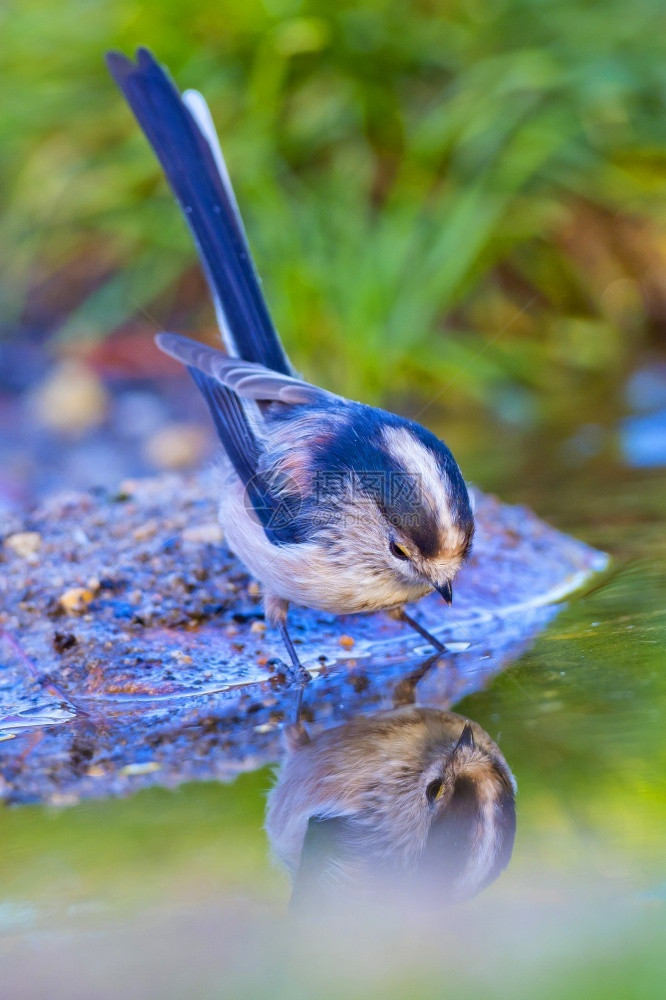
(398, 551)
(433, 790)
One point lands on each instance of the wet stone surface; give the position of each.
(133, 649)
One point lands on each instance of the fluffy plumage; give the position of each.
(330, 503)
(415, 794)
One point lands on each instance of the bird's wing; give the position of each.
(183, 138)
(232, 425)
(244, 450)
(251, 381)
(327, 865)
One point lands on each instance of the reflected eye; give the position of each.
(398, 551)
(433, 790)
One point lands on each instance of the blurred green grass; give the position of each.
(468, 194)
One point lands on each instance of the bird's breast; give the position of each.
(307, 573)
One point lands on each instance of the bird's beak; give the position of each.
(446, 590)
(466, 741)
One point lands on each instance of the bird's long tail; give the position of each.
(181, 132)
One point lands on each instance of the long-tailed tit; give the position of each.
(413, 799)
(330, 503)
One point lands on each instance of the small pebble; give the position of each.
(346, 641)
(146, 531)
(71, 400)
(132, 770)
(63, 641)
(24, 543)
(204, 534)
(96, 771)
(258, 627)
(75, 600)
(177, 654)
(177, 446)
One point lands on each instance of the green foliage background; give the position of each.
(422, 182)
(453, 198)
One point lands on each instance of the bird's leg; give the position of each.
(300, 674)
(400, 615)
(299, 669)
(404, 692)
(276, 613)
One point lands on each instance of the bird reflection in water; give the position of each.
(414, 800)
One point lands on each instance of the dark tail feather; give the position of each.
(207, 203)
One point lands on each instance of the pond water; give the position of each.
(173, 892)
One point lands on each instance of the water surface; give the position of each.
(173, 893)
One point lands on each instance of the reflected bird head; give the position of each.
(414, 798)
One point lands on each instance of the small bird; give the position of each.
(331, 504)
(414, 798)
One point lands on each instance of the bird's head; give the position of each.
(416, 517)
(383, 498)
(470, 794)
(414, 800)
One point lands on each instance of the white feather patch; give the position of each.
(419, 462)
